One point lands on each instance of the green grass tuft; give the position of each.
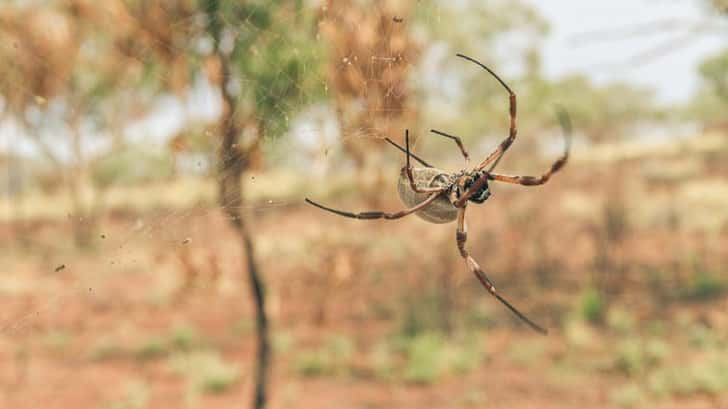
(592, 306)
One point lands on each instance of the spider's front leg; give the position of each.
(495, 156)
(461, 237)
(458, 141)
(378, 214)
(531, 180)
(555, 167)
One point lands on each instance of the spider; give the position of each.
(438, 196)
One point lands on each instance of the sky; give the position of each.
(609, 54)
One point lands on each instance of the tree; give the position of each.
(371, 53)
(459, 97)
(268, 57)
(261, 61)
(56, 91)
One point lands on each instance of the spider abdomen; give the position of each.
(440, 210)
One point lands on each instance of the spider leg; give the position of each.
(377, 214)
(462, 236)
(457, 140)
(415, 157)
(555, 167)
(479, 183)
(531, 180)
(408, 171)
(565, 122)
(506, 143)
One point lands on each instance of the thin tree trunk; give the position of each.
(230, 184)
(233, 161)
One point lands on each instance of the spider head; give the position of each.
(483, 193)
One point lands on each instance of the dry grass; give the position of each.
(362, 309)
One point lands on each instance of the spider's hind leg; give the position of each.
(462, 236)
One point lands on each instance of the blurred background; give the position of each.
(155, 155)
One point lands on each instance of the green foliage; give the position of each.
(184, 338)
(430, 355)
(710, 102)
(106, 349)
(630, 358)
(275, 58)
(600, 111)
(423, 312)
(333, 358)
(382, 359)
(708, 374)
(205, 372)
(424, 354)
(657, 351)
(313, 363)
(635, 355)
(714, 71)
(155, 347)
(591, 307)
(701, 336)
(704, 286)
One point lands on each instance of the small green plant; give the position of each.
(152, 348)
(184, 338)
(313, 363)
(656, 351)
(205, 372)
(701, 336)
(424, 358)
(704, 286)
(423, 313)
(106, 349)
(706, 375)
(382, 361)
(479, 316)
(592, 306)
(630, 357)
(464, 356)
(334, 357)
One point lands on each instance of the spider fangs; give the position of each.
(441, 197)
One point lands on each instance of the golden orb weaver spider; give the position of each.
(438, 196)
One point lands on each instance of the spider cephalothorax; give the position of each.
(483, 193)
(439, 196)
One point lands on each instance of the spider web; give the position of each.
(155, 238)
(40, 292)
